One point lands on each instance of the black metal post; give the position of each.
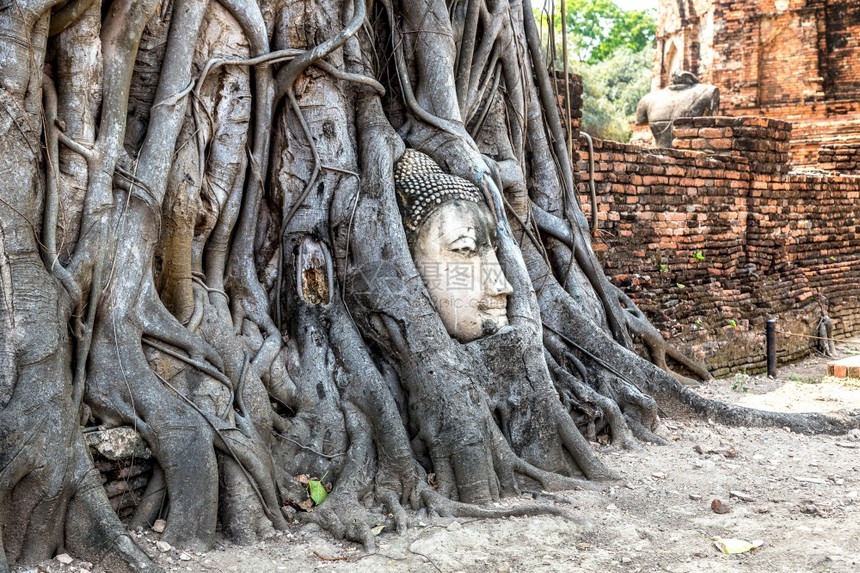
(770, 335)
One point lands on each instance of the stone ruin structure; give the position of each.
(718, 234)
(685, 96)
(793, 60)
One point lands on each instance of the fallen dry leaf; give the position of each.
(733, 546)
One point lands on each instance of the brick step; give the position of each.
(845, 368)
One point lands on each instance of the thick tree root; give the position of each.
(660, 386)
(659, 349)
(720, 412)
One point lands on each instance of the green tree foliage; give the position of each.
(612, 49)
(612, 88)
(597, 28)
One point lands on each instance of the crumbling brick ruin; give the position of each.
(718, 234)
(794, 60)
(711, 246)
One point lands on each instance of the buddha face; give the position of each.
(455, 252)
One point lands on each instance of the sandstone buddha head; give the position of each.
(452, 237)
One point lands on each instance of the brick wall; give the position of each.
(763, 142)
(711, 245)
(573, 87)
(794, 60)
(842, 47)
(125, 465)
(841, 158)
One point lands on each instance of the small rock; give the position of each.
(720, 506)
(725, 451)
(455, 525)
(658, 475)
(695, 496)
(163, 546)
(289, 513)
(762, 509)
(184, 557)
(64, 558)
(159, 526)
(626, 560)
(118, 443)
(810, 509)
(854, 435)
(742, 496)
(611, 507)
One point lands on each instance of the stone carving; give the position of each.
(683, 97)
(452, 237)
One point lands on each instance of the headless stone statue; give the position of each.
(683, 97)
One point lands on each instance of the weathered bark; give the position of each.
(199, 238)
(50, 496)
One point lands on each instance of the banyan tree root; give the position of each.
(199, 237)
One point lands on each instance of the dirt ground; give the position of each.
(799, 495)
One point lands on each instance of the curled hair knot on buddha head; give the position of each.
(422, 187)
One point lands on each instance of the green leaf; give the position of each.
(734, 546)
(699, 256)
(733, 323)
(679, 285)
(378, 529)
(318, 492)
(597, 28)
(663, 268)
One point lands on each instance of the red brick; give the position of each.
(711, 132)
